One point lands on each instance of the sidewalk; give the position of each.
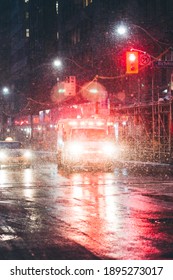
(147, 167)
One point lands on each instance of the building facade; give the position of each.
(83, 33)
(29, 30)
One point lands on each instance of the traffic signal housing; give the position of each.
(132, 62)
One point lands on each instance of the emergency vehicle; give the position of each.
(86, 142)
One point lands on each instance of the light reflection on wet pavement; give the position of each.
(50, 214)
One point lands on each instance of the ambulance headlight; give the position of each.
(27, 154)
(109, 149)
(75, 148)
(3, 155)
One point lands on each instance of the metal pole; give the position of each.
(170, 127)
(153, 117)
(139, 90)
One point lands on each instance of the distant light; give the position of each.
(99, 123)
(61, 90)
(165, 91)
(73, 123)
(93, 90)
(57, 63)
(124, 123)
(27, 32)
(5, 90)
(122, 30)
(57, 7)
(9, 139)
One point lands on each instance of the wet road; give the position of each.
(49, 214)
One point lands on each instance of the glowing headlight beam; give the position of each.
(2, 155)
(28, 154)
(109, 149)
(75, 148)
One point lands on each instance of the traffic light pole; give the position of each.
(139, 90)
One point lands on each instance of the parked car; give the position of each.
(12, 153)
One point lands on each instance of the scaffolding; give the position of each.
(148, 132)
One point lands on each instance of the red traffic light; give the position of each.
(132, 62)
(132, 57)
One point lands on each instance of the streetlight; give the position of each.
(123, 29)
(69, 79)
(5, 107)
(5, 90)
(68, 85)
(58, 63)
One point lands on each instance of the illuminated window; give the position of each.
(75, 36)
(87, 2)
(27, 32)
(27, 15)
(57, 7)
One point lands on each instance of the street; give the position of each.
(46, 213)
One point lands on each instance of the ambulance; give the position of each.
(85, 142)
